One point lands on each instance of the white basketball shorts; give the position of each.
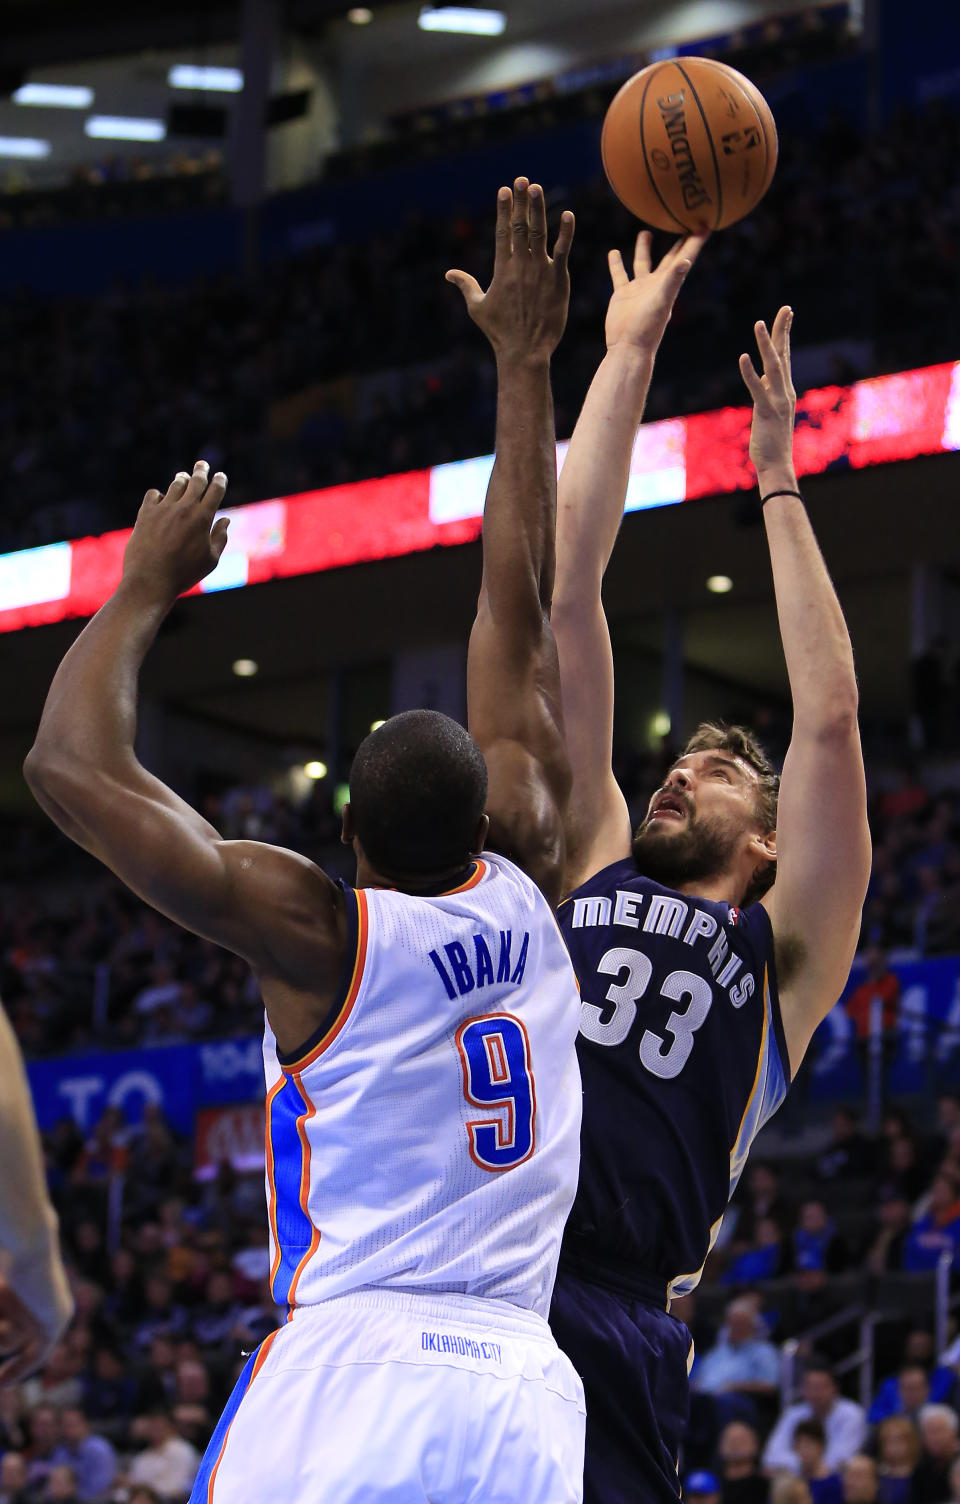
(382, 1397)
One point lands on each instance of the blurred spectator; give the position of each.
(955, 1483)
(92, 1459)
(57, 1384)
(938, 1230)
(898, 1452)
(885, 1252)
(44, 1427)
(741, 1479)
(810, 1445)
(939, 1425)
(879, 989)
(860, 1481)
(702, 1487)
(787, 1490)
(765, 1260)
(759, 1198)
(816, 1244)
(743, 1360)
(13, 1479)
(849, 1155)
(109, 1392)
(169, 1464)
(61, 1486)
(162, 1316)
(905, 1178)
(907, 1392)
(843, 1421)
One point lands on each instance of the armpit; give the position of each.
(790, 954)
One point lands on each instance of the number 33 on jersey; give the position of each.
(683, 1060)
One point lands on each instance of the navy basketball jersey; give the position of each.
(683, 1060)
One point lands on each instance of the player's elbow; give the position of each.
(837, 720)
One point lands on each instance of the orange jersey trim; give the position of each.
(476, 876)
(363, 928)
(261, 1359)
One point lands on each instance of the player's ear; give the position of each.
(483, 830)
(347, 830)
(763, 846)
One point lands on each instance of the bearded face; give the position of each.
(677, 846)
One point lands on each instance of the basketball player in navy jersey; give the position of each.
(418, 1181)
(702, 978)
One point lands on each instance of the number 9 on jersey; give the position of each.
(495, 1053)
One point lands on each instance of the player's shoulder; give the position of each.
(619, 874)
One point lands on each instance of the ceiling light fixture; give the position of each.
(24, 146)
(720, 584)
(462, 19)
(245, 668)
(315, 770)
(360, 15)
(217, 80)
(660, 723)
(55, 96)
(124, 128)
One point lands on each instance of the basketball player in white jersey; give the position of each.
(423, 1103)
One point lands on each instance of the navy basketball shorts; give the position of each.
(632, 1358)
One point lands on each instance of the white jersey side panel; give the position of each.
(430, 1140)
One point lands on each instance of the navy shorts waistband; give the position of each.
(620, 1278)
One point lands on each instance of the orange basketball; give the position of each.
(689, 144)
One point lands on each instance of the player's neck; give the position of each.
(726, 888)
(418, 884)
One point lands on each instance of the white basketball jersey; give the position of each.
(430, 1140)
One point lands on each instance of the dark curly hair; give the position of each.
(716, 736)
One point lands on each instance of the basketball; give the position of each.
(689, 145)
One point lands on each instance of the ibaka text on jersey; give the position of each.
(462, 973)
(668, 914)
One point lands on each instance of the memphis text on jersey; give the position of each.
(668, 914)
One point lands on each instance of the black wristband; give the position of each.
(771, 494)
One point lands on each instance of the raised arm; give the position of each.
(270, 906)
(823, 840)
(513, 679)
(592, 492)
(35, 1299)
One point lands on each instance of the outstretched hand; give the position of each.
(640, 308)
(175, 540)
(774, 398)
(524, 310)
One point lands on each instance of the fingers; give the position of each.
(504, 239)
(218, 536)
(469, 286)
(641, 253)
(768, 353)
(689, 248)
(751, 380)
(537, 217)
(782, 325)
(520, 222)
(564, 241)
(177, 486)
(193, 488)
(618, 272)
